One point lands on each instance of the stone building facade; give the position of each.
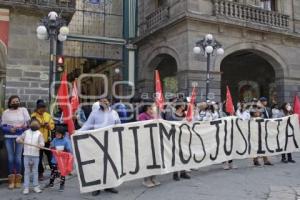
(103, 19)
(261, 40)
(25, 59)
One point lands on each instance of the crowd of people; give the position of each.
(28, 136)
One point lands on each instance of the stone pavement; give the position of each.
(278, 182)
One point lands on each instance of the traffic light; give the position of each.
(60, 63)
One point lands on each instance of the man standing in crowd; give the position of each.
(99, 118)
(121, 109)
(267, 112)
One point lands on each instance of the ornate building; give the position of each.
(101, 19)
(261, 39)
(95, 45)
(24, 60)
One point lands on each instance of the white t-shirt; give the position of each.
(15, 118)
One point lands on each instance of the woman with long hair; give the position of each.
(179, 115)
(148, 113)
(15, 121)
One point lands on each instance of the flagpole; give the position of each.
(32, 145)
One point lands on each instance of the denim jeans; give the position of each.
(34, 161)
(14, 151)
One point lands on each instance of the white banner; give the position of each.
(109, 156)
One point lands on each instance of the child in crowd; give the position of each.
(59, 143)
(31, 154)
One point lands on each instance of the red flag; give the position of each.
(159, 97)
(74, 98)
(64, 162)
(190, 110)
(229, 104)
(64, 104)
(297, 106)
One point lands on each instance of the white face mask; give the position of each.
(289, 108)
(276, 111)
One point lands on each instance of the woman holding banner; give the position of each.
(148, 113)
(211, 113)
(255, 114)
(287, 110)
(179, 115)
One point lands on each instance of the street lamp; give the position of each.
(54, 28)
(208, 46)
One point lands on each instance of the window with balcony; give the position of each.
(160, 3)
(269, 5)
(255, 11)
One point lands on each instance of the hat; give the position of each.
(40, 103)
(263, 99)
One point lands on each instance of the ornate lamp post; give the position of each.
(54, 28)
(208, 46)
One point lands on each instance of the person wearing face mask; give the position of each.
(287, 110)
(31, 154)
(202, 110)
(101, 117)
(227, 165)
(276, 112)
(148, 113)
(179, 115)
(210, 113)
(246, 113)
(47, 125)
(14, 122)
(256, 113)
(59, 143)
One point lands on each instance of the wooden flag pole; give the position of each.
(44, 148)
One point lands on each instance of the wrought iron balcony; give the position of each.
(66, 6)
(155, 19)
(247, 13)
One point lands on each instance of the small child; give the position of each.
(59, 143)
(31, 154)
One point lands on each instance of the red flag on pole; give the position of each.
(229, 103)
(64, 162)
(64, 104)
(74, 98)
(159, 97)
(190, 110)
(297, 106)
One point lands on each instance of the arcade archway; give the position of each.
(248, 75)
(167, 67)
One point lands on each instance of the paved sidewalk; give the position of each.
(278, 182)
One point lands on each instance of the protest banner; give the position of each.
(109, 156)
